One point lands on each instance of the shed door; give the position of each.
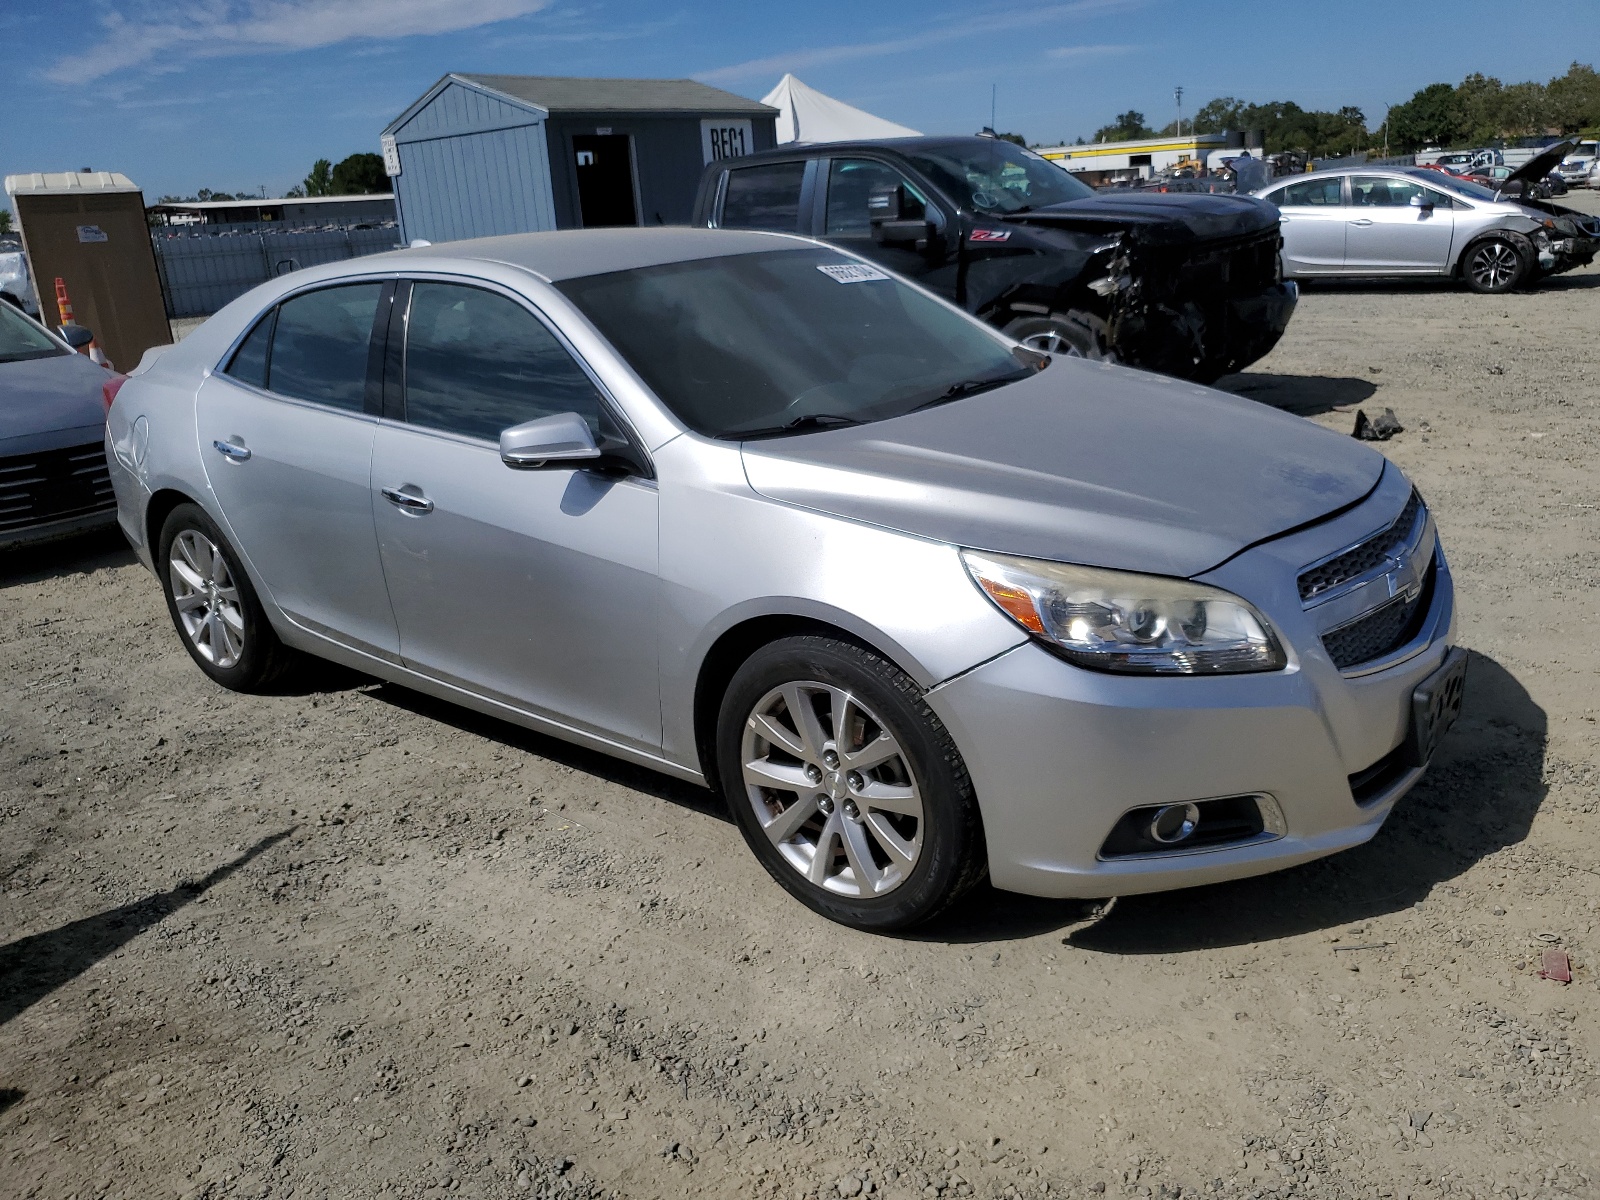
(605, 179)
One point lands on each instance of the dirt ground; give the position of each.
(348, 941)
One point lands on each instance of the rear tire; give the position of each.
(1493, 266)
(846, 786)
(213, 607)
(1071, 334)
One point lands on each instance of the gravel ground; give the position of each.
(347, 941)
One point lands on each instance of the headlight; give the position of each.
(1135, 624)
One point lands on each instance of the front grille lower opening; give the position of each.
(1376, 781)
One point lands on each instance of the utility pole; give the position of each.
(1177, 94)
(994, 92)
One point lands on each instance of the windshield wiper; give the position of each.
(803, 424)
(971, 387)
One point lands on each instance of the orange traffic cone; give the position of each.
(64, 308)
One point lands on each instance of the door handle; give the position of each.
(232, 451)
(408, 499)
(1362, 221)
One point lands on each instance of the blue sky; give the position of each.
(233, 94)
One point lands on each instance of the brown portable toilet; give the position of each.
(89, 229)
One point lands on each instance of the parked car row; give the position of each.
(1406, 221)
(923, 603)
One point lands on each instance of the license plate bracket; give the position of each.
(1435, 705)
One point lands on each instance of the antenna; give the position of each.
(1177, 94)
(994, 91)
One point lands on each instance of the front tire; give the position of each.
(212, 605)
(1071, 334)
(1493, 266)
(846, 785)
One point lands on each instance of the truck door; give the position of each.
(847, 222)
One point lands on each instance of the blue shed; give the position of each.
(479, 155)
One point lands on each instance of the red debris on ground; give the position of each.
(1557, 966)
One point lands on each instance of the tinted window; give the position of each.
(765, 197)
(478, 363)
(20, 338)
(320, 345)
(748, 345)
(1317, 192)
(249, 363)
(850, 182)
(1370, 191)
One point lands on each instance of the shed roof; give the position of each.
(68, 183)
(563, 94)
(268, 202)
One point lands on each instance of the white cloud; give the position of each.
(991, 23)
(1089, 51)
(161, 35)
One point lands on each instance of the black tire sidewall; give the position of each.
(953, 856)
(263, 652)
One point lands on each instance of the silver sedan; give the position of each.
(1373, 222)
(921, 603)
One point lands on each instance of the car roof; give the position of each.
(574, 253)
(900, 145)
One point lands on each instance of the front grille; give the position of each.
(1383, 630)
(1239, 268)
(1365, 559)
(54, 486)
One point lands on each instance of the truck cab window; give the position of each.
(763, 197)
(850, 182)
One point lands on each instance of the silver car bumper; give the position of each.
(1059, 754)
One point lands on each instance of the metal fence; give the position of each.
(202, 271)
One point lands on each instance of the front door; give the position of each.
(286, 432)
(1312, 216)
(846, 220)
(537, 587)
(1390, 235)
(604, 163)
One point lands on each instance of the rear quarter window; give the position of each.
(763, 197)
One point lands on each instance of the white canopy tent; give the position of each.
(806, 115)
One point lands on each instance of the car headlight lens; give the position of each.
(1134, 624)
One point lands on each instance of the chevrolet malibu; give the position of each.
(922, 603)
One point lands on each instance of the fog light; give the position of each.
(1174, 823)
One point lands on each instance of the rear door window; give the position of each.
(321, 345)
(478, 363)
(249, 362)
(763, 197)
(1310, 192)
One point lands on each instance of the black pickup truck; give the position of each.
(1184, 284)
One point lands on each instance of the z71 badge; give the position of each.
(989, 235)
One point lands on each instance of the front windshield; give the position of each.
(993, 176)
(784, 341)
(20, 338)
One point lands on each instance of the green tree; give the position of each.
(320, 181)
(360, 174)
(1128, 127)
(5, 220)
(1574, 99)
(1432, 117)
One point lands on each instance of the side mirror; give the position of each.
(898, 219)
(549, 441)
(75, 336)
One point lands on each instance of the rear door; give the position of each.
(1388, 234)
(286, 430)
(536, 587)
(1313, 222)
(774, 196)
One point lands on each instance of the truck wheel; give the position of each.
(1071, 334)
(1493, 266)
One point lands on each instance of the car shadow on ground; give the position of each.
(79, 555)
(32, 967)
(1479, 797)
(1303, 395)
(692, 796)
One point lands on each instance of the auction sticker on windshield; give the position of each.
(851, 272)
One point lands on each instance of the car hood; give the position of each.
(1163, 217)
(45, 395)
(1539, 165)
(1083, 463)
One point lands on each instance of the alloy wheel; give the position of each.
(832, 789)
(1494, 266)
(1051, 341)
(207, 599)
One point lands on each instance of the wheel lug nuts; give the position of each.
(813, 775)
(825, 804)
(851, 811)
(829, 757)
(854, 780)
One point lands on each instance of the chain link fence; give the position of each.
(202, 270)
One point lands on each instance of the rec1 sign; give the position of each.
(725, 139)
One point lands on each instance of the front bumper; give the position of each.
(1206, 337)
(1058, 754)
